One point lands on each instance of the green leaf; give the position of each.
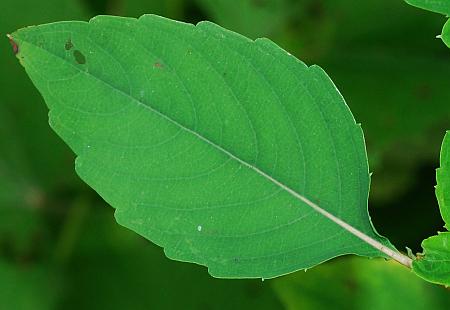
(216, 147)
(438, 6)
(434, 264)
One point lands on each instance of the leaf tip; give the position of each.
(14, 45)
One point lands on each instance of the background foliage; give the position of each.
(60, 247)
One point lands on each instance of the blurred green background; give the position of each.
(60, 247)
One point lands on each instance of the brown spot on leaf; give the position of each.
(158, 65)
(79, 57)
(68, 46)
(14, 44)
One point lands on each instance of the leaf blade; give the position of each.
(183, 191)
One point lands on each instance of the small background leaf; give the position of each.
(443, 181)
(434, 264)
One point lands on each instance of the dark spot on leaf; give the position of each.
(68, 45)
(79, 57)
(158, 65)
(14, 45)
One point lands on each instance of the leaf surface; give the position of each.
(209, 144)
(434, 264)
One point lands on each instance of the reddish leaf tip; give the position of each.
(14, 44)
